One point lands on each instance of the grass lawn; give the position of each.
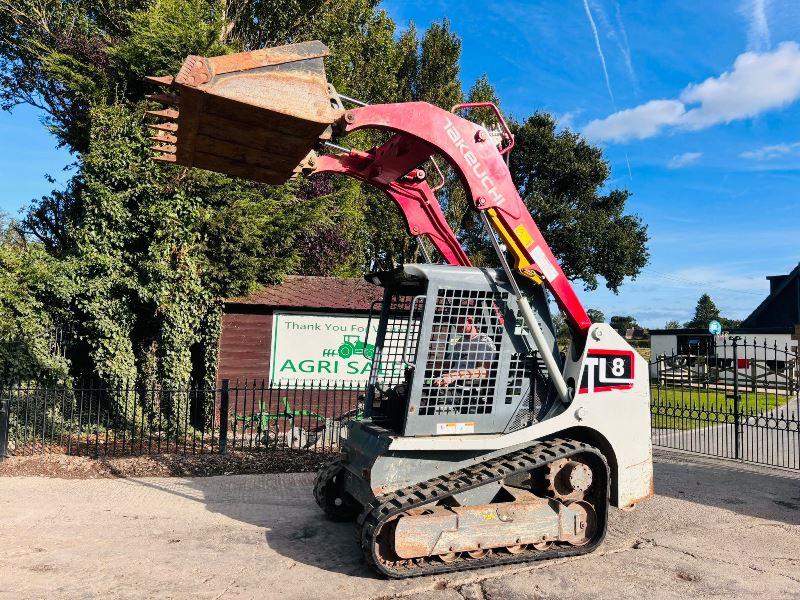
(688, 408)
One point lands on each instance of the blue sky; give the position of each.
(27, 153)
(694, 103)
(714, 168)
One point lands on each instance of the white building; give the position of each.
(771, 332)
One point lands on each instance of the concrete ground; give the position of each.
(714, 530)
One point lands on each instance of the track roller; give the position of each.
(330, 494)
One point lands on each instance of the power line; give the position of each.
(701, 284)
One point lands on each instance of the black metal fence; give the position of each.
(134, 420)
(735, 399)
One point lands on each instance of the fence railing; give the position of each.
(134, 420)
(738, 400)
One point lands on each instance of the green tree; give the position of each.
(31, 286)
(561, 327)
(408, 64)
(152, 250)
(596, 315)
(152, 258)
(729, 323)
(672, 325)
(704, 312)
(437, 78)
(623, 322)
(560, 177)
(425, 69)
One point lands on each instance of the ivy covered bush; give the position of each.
(29, 279)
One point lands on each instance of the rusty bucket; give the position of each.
(256, 115)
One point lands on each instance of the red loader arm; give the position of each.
(261, 115)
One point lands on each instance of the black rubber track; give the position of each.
(349, 510)
(383, 509)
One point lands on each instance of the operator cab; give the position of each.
(452, 356)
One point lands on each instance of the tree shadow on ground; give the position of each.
(295, 528)
(283, 505)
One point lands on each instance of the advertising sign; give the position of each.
(321, 348)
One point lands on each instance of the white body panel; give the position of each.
(621, 416)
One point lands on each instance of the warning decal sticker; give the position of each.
(455, 428)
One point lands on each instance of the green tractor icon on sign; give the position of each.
(353, 344)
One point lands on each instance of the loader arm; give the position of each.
(262, 115)
(412, 195)
(423, 130)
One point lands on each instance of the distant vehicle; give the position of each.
(353, 344)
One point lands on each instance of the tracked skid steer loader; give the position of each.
(482, 443)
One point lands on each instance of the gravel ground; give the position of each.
(714, 530)
(62, 466)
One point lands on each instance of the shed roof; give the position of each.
(311, 292)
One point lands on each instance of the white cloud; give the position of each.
(757, 83)
(682, 160)
(567, 120)
(646, 120)
(755, 11)
(770, 152)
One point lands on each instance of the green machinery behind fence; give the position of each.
(267, 424)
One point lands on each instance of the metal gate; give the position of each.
(739, 400)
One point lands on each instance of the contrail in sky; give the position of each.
(599, 47)
(758, 36)
(624, 47)
(605, 69)
(617, 33)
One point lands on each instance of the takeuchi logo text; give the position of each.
(477, 168)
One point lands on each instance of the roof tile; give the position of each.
(305, 291)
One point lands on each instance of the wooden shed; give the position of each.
(246, 341)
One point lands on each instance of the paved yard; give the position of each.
(712, 531)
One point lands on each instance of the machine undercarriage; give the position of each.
(423, 529)
(482, 442)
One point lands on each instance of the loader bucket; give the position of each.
(256, 115)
